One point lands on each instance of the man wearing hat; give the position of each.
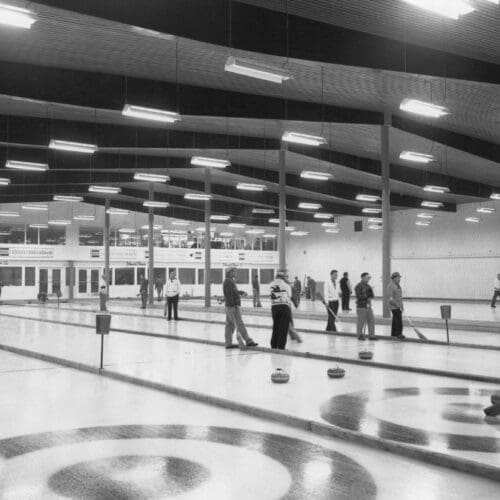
(233, 314)
(280, 309)
(364, 296)
(395, 294)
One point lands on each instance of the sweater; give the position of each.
(364, 294)
(231, 294)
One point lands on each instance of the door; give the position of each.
(82, 281)
(56, 281)
(94, 280)
(43, 281)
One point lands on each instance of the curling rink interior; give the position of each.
(308, 165)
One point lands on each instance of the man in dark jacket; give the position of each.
(346, 290)
(296, 291)
(233, 313)
(143, 291)
(256, 291)
(364, 296)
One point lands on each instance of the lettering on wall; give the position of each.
(27, 252)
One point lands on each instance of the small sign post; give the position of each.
(102, 326)
(446, 315)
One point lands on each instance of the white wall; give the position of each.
(450, 259)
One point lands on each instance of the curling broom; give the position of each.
(421, 336)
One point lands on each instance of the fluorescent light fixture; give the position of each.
(9, 213)
(15, 16)
(332, 231)
(117, 211)
(201, 229)
(446, 8)
(126, 230)
(247, 186)
(330, 224)
(254, 69)
(59, 222)
(269, 235)
(425, 215)
(495, 196)
(26, 165)
(417, 157)
(423, 223)
(84, 217)
(423, 108)
(156, 115)
(372, 210)
(220, 217)
(375, 220)
(299, 233)
(39, 226)
(156, 227)
(5, 233)
(323, 216)
(155, 204)
(273, 220)
(180, 223)
(38, 207)
(431, 204)
(306, 139)
(472, 219)
(197, 196)
(317, 176)
(374, 227)
(105, 189)
(254, 231)
(4, 181)
(75, 147)
(290, 228)
(266, 211)
(436, 189)
(368, 197)
(237, 225)
(173, 231)
(309, 206)
(226, 234)
(201, 161)
(142, 176)
(485, 210)
(67, 197)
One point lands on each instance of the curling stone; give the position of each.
(280, 376)
(365, 354)
(492, 411)
(336, 372)
(495, 398)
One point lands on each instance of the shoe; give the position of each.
(372, 337)
(401, 337)
(169, 319)
(361, 337)
(252, 344)
(493, 307)
(177, 319)
(232, 346)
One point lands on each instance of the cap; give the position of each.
(281, 272)
(395, 275)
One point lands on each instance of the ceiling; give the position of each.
(69, 76)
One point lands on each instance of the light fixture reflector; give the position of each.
(305, 139)
(309, 206)
(423, 223)
(26, 165)
(372, 210)
(155, 204)
(143, 176)
(75, 147)
(226, 234)
(16, 16)
(422, 108)
(368, 197)
(417, 157)
(202, 161)
(255, 69)
(329, 224)
(104, 189)
(436, 189)
(67, 197)
(156, 115)
(316, 176)
(197, 196)
(248, 186)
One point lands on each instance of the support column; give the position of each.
(282, 206)
(386, 211)
(106, 245)
(208, 211)
(151, 248)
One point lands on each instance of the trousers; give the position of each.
(346, 298)
(496, 294)
(334, 306)
(282, 316)
(365, 317)
(102, 300)
(144, 299)
(234, 320)
(397, 323)
(172, 303)
(256, 298)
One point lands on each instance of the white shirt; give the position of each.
(332, 291)
(172, 287)
(280, 292)
(497, 284)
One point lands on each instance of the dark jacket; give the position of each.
(364, 293)
(231, 294)
(344, 285)
(144, 287)
(255, 283)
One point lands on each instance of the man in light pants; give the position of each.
(364, 296)
(233, 313)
